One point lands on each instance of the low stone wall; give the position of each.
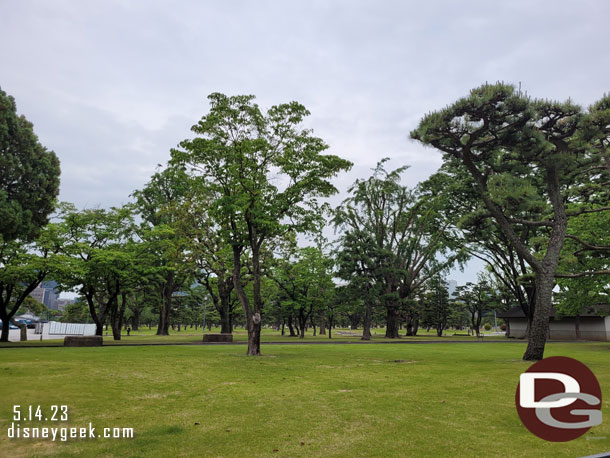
(218, 338)
(83, 341)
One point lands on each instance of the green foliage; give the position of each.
(586, 249)
(534, 165)
(163, 244)
(438, 310)
(31, 305)
(393, 240)
(103, 260)
(477, 299)
(305, 284)
(29, 182)
(264, 174)
(239, 150)
(24, 266)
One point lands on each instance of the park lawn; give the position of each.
(301, 400)
(192, 335)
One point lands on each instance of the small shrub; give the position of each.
(487, 326)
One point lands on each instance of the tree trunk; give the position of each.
(98, 320)
(253, 319)
(225, 320)
(135, 320)
(116, 316)
(254, 336)
(322, 326)
(540, 324)
(223, 301)
(391, 331)
(302, 323)
(8, 312)
(5, 324)
(412, 325)
(166, 297)
(366, 327)
(476, 324)
(5, 331)
(290, 327)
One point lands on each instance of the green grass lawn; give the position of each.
(306, 400)
(192, 335)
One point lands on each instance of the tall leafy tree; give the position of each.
(159, 204)
(393, 240)
(268, 173)
(24, 266)
(527, 160)
(305, 282)
(438, 308)
(482, 238)
(102, 262)
(29, 181)
(209, 252)
(587, 249)
(477, 298)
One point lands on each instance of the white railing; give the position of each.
(74, 329)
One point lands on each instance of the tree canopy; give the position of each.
(29, 182)
(265, 173)
(534, 164)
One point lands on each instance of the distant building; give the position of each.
(451, 286)
(46, 293)
(39, 294)
(51, 295)
(589, 325)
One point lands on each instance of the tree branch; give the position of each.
(583, 274)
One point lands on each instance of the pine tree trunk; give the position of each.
(540, 324)
(412, 325)
(391, 331)
(225, 320)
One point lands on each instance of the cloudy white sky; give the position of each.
(111, 86)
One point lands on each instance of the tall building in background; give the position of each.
(51, 295)
(39, 294)
(451, 285)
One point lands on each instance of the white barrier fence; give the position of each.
(72, 329)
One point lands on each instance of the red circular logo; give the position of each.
(559, 399)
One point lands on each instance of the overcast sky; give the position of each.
(111, 86)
